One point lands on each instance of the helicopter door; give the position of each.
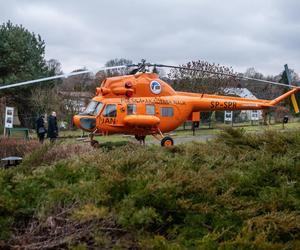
(109, 114)
(121, 113)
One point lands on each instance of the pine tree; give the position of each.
(22, 57)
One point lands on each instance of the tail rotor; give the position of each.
(293, 96)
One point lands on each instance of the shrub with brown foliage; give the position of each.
(50, 153)
(17, 147)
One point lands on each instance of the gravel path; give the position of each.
(186, 138)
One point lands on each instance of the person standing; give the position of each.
(40, 129)
(52, 127)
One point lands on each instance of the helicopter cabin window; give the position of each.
(167, 111)
(150, 109)
(93, 108)
(131, 109)
(98, 108)
(110, 110)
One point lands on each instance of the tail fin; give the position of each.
(289, 79)
(295, 104)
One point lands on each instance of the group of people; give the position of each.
(52, 131)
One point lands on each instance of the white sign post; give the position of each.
(254, 115)
(9, 118)
(228, 116)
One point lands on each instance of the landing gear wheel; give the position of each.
(167, 142)
(94, 143)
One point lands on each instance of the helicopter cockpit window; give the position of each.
(131, 109)
(93, 108)
(110, 110)
(150, 109)
(167, 111)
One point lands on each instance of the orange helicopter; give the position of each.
(141, 104)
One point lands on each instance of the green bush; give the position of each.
(240, 191)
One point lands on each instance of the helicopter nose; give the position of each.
(86, 123)
(76, 121)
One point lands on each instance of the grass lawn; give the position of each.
(69, 136)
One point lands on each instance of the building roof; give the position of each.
(241, 92)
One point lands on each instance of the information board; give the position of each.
(9, 117)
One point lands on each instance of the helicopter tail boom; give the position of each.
(213, 102)
(286, 95)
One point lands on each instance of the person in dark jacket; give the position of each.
(40, 129)
(52, 127)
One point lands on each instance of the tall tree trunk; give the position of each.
(2, 110)
(26, 117)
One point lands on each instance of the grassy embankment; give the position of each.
(240, 191)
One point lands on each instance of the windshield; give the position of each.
(93, 108)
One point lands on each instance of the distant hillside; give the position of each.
(239, 191)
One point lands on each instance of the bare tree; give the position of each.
(252, 73)
(54, 66)
(265, 90)
(46, 100)
(117, 62)
(78, 83)
(259, 89)
(209, 77)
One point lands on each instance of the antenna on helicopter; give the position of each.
(155, 70)
(140, 67)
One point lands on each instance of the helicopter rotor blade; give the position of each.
(140, 67)
(237, 76)
(7, 86)
(266, 81)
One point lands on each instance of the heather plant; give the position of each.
(240, 191)
(16, 147)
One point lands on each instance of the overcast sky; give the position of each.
(264, 34)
